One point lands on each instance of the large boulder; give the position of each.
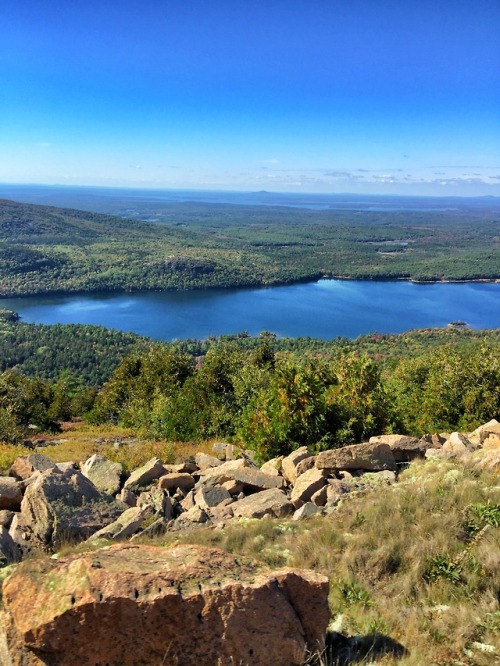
(11, 493)
(133, 605)
(404, 448)
(104, 474)
(245, 476)
(61, 507)
(368, 457)
(272, 502)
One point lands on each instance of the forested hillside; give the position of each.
(45, 249)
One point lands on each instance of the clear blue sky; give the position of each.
(375, 96)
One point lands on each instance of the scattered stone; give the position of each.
(60, 507)
(233, 452)
(305, 465)
(64, 466)
(188, 502)
(104, 474)
(6, 517)
(207, 498)
(435, 440)
(196, 605)
(219, 450)
(128, 497)
(478, 436)
(306, 511)
(273, 466)
(160, 502)
(9, 552)
(403, 447)
(233, 487)
(335, 491)
(457, 445)
(319, 497)
(204, 461)
(143, 476)
(186, 467)
(306, 485)
(171, 482)
(366, 456)
(125, 526)
(289, 464)
(194, 515)
(156, 529)
(11, 493)
(24, 466)
(271, 502)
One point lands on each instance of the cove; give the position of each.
(323, 309)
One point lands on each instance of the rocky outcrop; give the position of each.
(290, 463)
(367, 457)
(149, 605)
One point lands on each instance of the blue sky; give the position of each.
(371, 96)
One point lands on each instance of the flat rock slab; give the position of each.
(404, 448)
(368, 457)
(148, 606)
(272, 502)
(145, 475)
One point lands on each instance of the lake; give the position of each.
(323, 309)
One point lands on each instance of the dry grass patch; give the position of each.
(417, 563)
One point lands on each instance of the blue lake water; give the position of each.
(323, 309)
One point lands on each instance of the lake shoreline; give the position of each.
(255, 285)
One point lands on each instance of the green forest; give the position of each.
(271, 395)
(48, 250)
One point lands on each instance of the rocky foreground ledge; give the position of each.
(136, 604)
(145, 605)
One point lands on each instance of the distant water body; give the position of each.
(324, 309)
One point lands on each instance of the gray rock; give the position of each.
(457, 445)
(104, 474)
(249, 479)
(207, 498)
(24, 466)
(306, 511)
(306, 485)
(64, 466)
(145, 475)
(305, 465)
(125, 525)
(6, 517)
(335, 491)
(194, 515)
(369, 457)
(128, 497)
(11, 494)
(160, 502)
(204, 461)
(289, 464)
(272, 502)
(60, 507)
(9, 552)
(478, 436)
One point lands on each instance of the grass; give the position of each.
(82, 441)
(413, 582)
